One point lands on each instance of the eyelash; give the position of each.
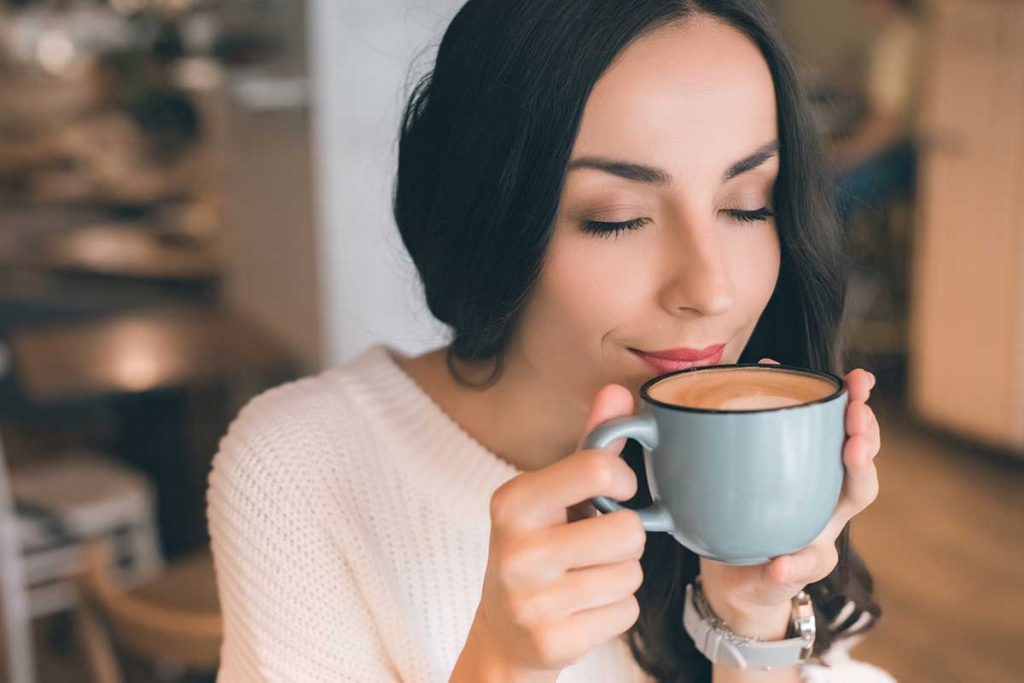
(606, 229)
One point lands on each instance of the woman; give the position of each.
(579, 182)
(878, 160)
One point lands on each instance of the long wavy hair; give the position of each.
(482, 153)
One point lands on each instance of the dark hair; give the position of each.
(484, 144)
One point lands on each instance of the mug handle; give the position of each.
(644, 429)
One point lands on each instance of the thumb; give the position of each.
(612, 400)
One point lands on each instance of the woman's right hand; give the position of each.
(556, 587)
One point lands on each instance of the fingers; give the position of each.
(769, 361)
(592, 626)
(860, 419)
(860, 483)
(613, 537)
(860, 486)
(859, 383)
(582, 589)
(858, 454)
(540, 498)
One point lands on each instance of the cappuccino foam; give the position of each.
(741, 389)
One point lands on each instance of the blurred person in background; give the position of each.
(878, 159)
(580, 183)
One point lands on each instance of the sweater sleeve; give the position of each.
(292, 607)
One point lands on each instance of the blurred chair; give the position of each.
(69, 499)
(49, 508)
(173, 620)
(17, 620)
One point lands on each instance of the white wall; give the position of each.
(263, 142)
(361, 52)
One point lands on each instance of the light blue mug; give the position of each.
(737, 486)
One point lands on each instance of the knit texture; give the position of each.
(349, 518)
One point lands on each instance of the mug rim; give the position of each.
(823, 374)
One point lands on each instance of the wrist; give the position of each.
(766, 622)
(762, 637)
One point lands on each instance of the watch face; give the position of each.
(804, 625)
(803, 616)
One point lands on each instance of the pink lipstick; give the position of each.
(670, 360)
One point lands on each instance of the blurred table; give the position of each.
(176, 347)
(174, 378)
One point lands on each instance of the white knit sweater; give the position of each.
(349, 522)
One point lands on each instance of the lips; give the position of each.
(670, 360)
(685, 354)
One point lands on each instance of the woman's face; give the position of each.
(694, 105)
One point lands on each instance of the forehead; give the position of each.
(688, 97)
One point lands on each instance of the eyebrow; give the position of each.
(650, 174)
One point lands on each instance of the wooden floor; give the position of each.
(945, 542)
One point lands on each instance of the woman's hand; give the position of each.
(555, 588)
(755, 600)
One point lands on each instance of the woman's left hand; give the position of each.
(755, 600)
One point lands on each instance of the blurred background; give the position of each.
(194, 206)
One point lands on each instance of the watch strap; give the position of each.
(721, 645)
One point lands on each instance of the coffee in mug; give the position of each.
(744, 461)
(741, 389)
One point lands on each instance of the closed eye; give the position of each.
(762, 214)
(607, 229)
(611, 229)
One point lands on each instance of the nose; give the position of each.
(698, 278)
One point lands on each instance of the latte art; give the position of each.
(741, 389)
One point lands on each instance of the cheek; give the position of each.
(584, 291)
(754, 276)
(755, 267)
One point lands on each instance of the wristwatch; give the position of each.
(716, 642)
